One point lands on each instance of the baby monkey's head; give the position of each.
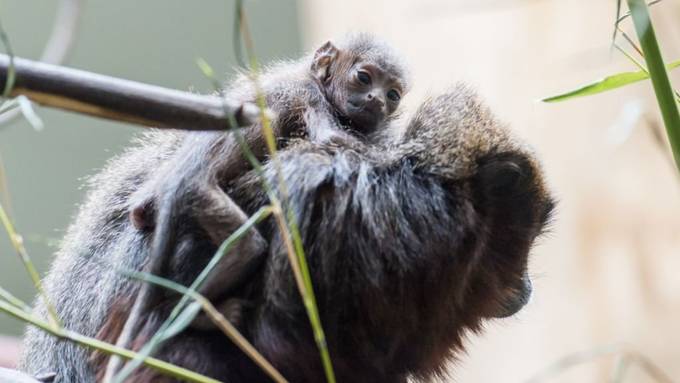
(363, 78)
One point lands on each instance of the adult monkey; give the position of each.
(409, 247)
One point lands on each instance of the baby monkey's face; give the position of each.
(365, 88)
(371, 95)
(367, 95)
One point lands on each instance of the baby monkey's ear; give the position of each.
(323, 58)
(142, 216)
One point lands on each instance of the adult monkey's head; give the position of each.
(363, 78)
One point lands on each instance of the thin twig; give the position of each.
(630, 41)
(631, 58)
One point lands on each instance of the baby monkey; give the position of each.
(362, 83)
(183, 210)
(357, 85)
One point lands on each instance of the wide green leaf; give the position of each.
(608, 83)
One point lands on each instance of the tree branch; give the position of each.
(122, 100)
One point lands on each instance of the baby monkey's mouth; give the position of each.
(352, 127)
(346, 122)
(362, 122)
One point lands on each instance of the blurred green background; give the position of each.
(155, 41)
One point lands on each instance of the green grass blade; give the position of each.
(183, 320)
(209, 73)
(657, 70)
(164, 367)
(18, 244)
(310, 301)
(606, 84)
(14, 301)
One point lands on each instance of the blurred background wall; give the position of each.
(607, 274)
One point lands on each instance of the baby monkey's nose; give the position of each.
(373, 99)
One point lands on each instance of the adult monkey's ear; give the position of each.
(323, 58)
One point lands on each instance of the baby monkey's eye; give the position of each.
(393, 95)
(364, 77)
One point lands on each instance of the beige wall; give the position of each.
(610, 270)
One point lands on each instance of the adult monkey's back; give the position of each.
(409, 247)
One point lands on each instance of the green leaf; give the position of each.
(608, 83)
